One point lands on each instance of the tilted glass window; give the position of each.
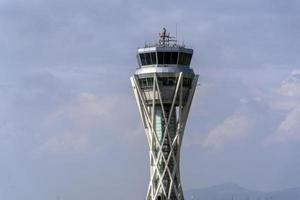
(143, 59)
(150, 82)
(167, 81)
(184, 59)
(171, 81)
(146, 82)
(167, 58)
(174, 56)
(188, 59)
(148, 58)
(181, 58)
(160, 56)
(153, 58)
(187, 82)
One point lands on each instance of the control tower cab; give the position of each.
(166, 60)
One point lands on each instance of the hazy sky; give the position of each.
(69, 125)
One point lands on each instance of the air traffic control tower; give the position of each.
(164, 86)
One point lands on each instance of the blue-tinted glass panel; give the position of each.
(174, 56)
(148, 58)
(146, 82)
(160, 57)
(143, 59)
(181, 60)
(158, 123)
(184, 58)
(187, 82)
(153, 58)
(167, 58)
(188, 59)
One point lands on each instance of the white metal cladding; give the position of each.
(169, 69)
(165, 49)
(164, 125)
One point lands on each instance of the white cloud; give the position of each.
(88, 108)
(66, 142)
(232, 128)
(70, 125)
(288, 129)
(286, 98)
(75, 127)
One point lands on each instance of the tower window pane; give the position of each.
(143, 59)
(181, 59)
(167, 58)
(160, 57)
(184, 58)
(171, 81)
(171, 58)
(149, 82)
(188, 59)
(153, 58)
(187, 82)
(148, 58)
(174, 56)
(146, 82)
(167, 81)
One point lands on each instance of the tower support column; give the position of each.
(164, 123)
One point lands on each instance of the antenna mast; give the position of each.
(165, 38)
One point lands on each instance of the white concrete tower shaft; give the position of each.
(164, 86)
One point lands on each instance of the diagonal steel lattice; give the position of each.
(165, 151)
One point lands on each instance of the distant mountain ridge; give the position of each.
(231, 191)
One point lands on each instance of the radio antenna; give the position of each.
(176, 34)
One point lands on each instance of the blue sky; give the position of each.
(69, 125)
